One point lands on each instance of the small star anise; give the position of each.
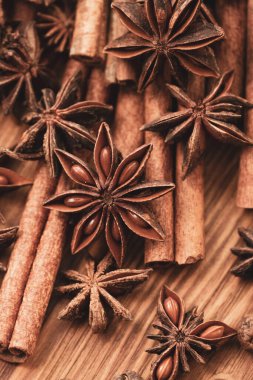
(176, 31)
(57, 24)
(218, 114)
(182, 335)
(59, 121)
(245, 254)
(110, 199)
(21, 67)
(97, 289)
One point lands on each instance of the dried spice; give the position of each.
(129, 375)
(98, 289)
(245, 254)
(7, 237)
(182, 335)
(245, 333)
(219, 114)
(175, 31)
(22, 67)
(57, 23)
(59, 121)
(110, 199)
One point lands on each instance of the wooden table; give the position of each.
(69, 351)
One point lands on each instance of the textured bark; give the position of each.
(160, 167)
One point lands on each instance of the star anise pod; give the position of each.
(218, 114)
(59, 122)
(57, 23)
(112, 198)
(176, 31)
(182, 335)
(22, 68)
(97, 289)
(245, 254)
(129, 375)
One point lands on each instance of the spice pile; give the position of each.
(119, 101)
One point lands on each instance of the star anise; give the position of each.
(182, 335)
(111, 198)
(22, 68)
(7, 236)
(58, 24)
(245, 254)
(129, 375)
(59, 121)
(97, 289)
(175, 31)
(218, 113)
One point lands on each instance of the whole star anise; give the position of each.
(217, 114)
(22, 68)
(182, 335)
(59, 122)
(112, 198)
(175, 31)
(57, 23)
(245, 254)
(97, 289)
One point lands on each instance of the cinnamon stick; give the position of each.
(156, 103)
(40, 284)
(34, 217)
(245, 182)
(90, 17)
(189, 199)
(118, 70)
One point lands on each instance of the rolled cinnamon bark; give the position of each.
(97, 89)
(23, 11)
(129, 117)
(86, 37)
(32, 222)
(189, 199)
(232, 17)
(120, 71)
(40, 284)
(160, 167)
(245, 182)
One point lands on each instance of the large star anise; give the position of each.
(97, 289)
(112, 198)
(218, 114)
(57, 24)
(21, 67)
(176, 31)
(182, 335)
(245, 254)
(59, 121)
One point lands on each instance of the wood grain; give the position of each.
(69, 351)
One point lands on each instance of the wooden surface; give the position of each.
(69, 351)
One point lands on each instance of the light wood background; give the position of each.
(69, 351)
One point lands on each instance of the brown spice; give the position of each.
(160, 166)
(245, 254)
(183, 337)
(23, 253)
(245, 333)
(129, 375)
(245, 182)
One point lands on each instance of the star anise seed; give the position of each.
(218, 114)
(59, 121)
(98, 288)
(175, 31)
(245, 254)
(112, 198)
(182, 335)
(57, 23)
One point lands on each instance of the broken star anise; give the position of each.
(245, 254)
(112, 198)
(218, 114)
(182, 335)
(21, 67)
(175, 31)
(57, 23)
(97, 289)
(58, 122)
